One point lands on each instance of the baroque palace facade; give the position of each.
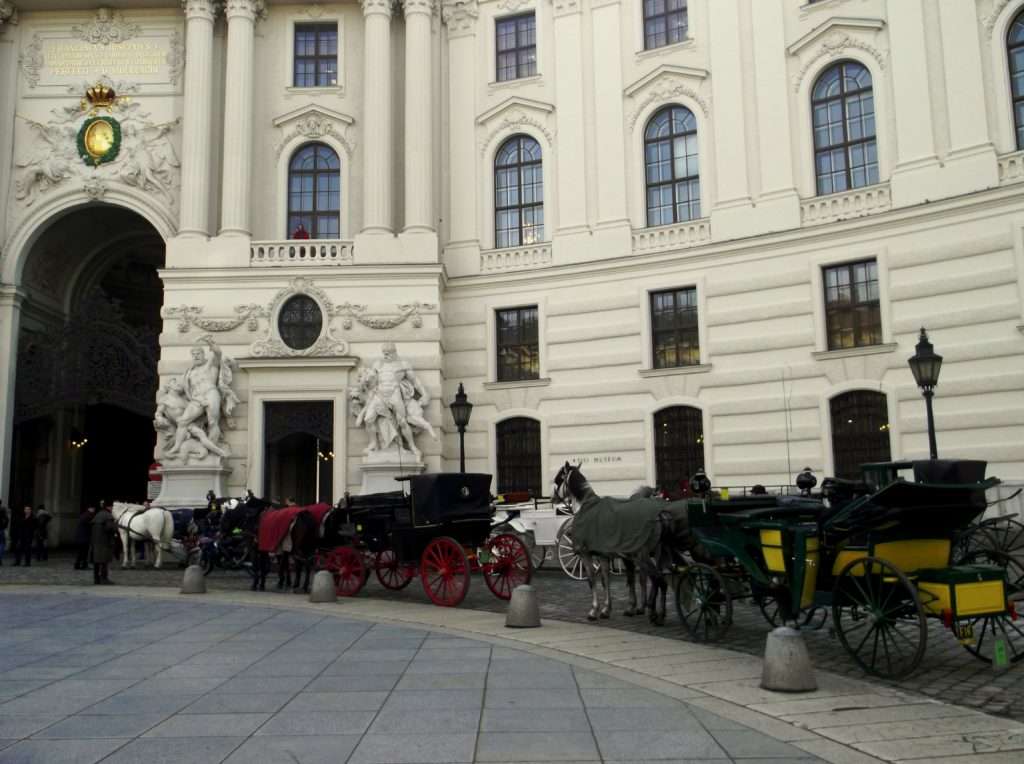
(648, 235)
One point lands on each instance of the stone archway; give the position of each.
(87, 353)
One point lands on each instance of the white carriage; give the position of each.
(546, 530)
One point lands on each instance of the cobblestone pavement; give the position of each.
(88, 679)
(948, 672)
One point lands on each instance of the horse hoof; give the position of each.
(629, 612)
(605, 614)
(591, 617)
(263, 587)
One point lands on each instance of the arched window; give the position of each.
(843, 113)
(518, 456)
(518, 193)
(860, 431)
(678, 445)
(314, 193)
(1015, 56)
(672, 168)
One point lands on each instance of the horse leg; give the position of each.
(588, 563)
(606, 580)
(124, 549)
(282, 566)
(263, 561)
(297, 583)
(631, 585)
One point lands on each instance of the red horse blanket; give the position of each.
(275, 523)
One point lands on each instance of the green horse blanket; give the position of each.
(625, 527)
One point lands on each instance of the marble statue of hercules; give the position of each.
(201, 383)
(388, 401)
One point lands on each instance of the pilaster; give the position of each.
(419, 141)
(194, 217)
(609, 117)
(238, 116)
(8, 88)
(11, 300)
(569, 117)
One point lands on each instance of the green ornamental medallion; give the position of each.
(99, 140)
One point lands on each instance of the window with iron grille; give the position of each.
(860, 431)
(1015, 57)
(678, 446)
(316, 55)
(674, 333)
(516, 46)
(672, 167)
(518, 193)
(852, 314)
(300, 322)
(843, 113)
(518, 456)
(664, 22)
(517, 347)
(314, 193)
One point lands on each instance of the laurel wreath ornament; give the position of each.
(94, 159)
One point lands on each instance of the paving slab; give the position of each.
(208, 725)
(414, 749)
(535, 746)
(434, 720)
(286, 749)
(83, 727)
(61, 751)
(534, 720)
(209, 750)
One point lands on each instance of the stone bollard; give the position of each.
(194, 582)
(523, 610)
(323, 587)
(787, 664)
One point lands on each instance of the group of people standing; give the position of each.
(94, 538)
(29, 532)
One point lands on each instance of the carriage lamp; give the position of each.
(805, 481)
(462, 409)
(699, 483)
(925, 365)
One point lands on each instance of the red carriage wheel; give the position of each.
(444, 570)
(508, 565)
(390, 572)
(349, 571)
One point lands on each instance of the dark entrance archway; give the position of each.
(87, 356)
(299, 451)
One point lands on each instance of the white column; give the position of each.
(772, 97)
(460, 18)
(376, 136)
(10, 315)
(608, 108)
(571, 158)
(419, 141)
(234, 208)
(8, 89)
(195, 139)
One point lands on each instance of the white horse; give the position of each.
(136, 523)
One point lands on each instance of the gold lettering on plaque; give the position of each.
(74, 59)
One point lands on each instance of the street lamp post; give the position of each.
(462, 409)
(925, 365)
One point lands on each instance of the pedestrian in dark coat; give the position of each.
(103, 528)
(83, 537)
(5, 520)
(25, 535)
(42, 533)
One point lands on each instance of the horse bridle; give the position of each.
(561, 483)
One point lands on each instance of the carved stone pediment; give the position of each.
(838, 37)
(514, 114)
(313, 121)
(665, 84)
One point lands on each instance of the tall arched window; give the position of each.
(518, 193)
(843, 113)
(314, 193)
(860, 431)
(671, 166)
(518, 455)
(678, 445)
(1015, 56)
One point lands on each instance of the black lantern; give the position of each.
(925, 365)
(462, 409)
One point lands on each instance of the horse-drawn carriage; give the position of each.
(884, 554)
(440, 529)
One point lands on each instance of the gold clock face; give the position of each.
(99, 138)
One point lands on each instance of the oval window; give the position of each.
(300, 322)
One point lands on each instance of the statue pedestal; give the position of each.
(380, 468)
(186, 485)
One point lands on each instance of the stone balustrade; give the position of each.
(666, 237)
(301, 252)
(845, 205)
(515, 258)
(1011, 168)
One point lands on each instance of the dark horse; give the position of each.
(298, 543)
(239, 523)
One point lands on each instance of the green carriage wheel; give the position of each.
(879, 618)
(991, 628)
(997, 542)
(703, 603)
(812, 619)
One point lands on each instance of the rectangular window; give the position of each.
(664, 22)
(852, 314)
(516, 45)
(316, 55)
(517, 344)
(674, 328)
